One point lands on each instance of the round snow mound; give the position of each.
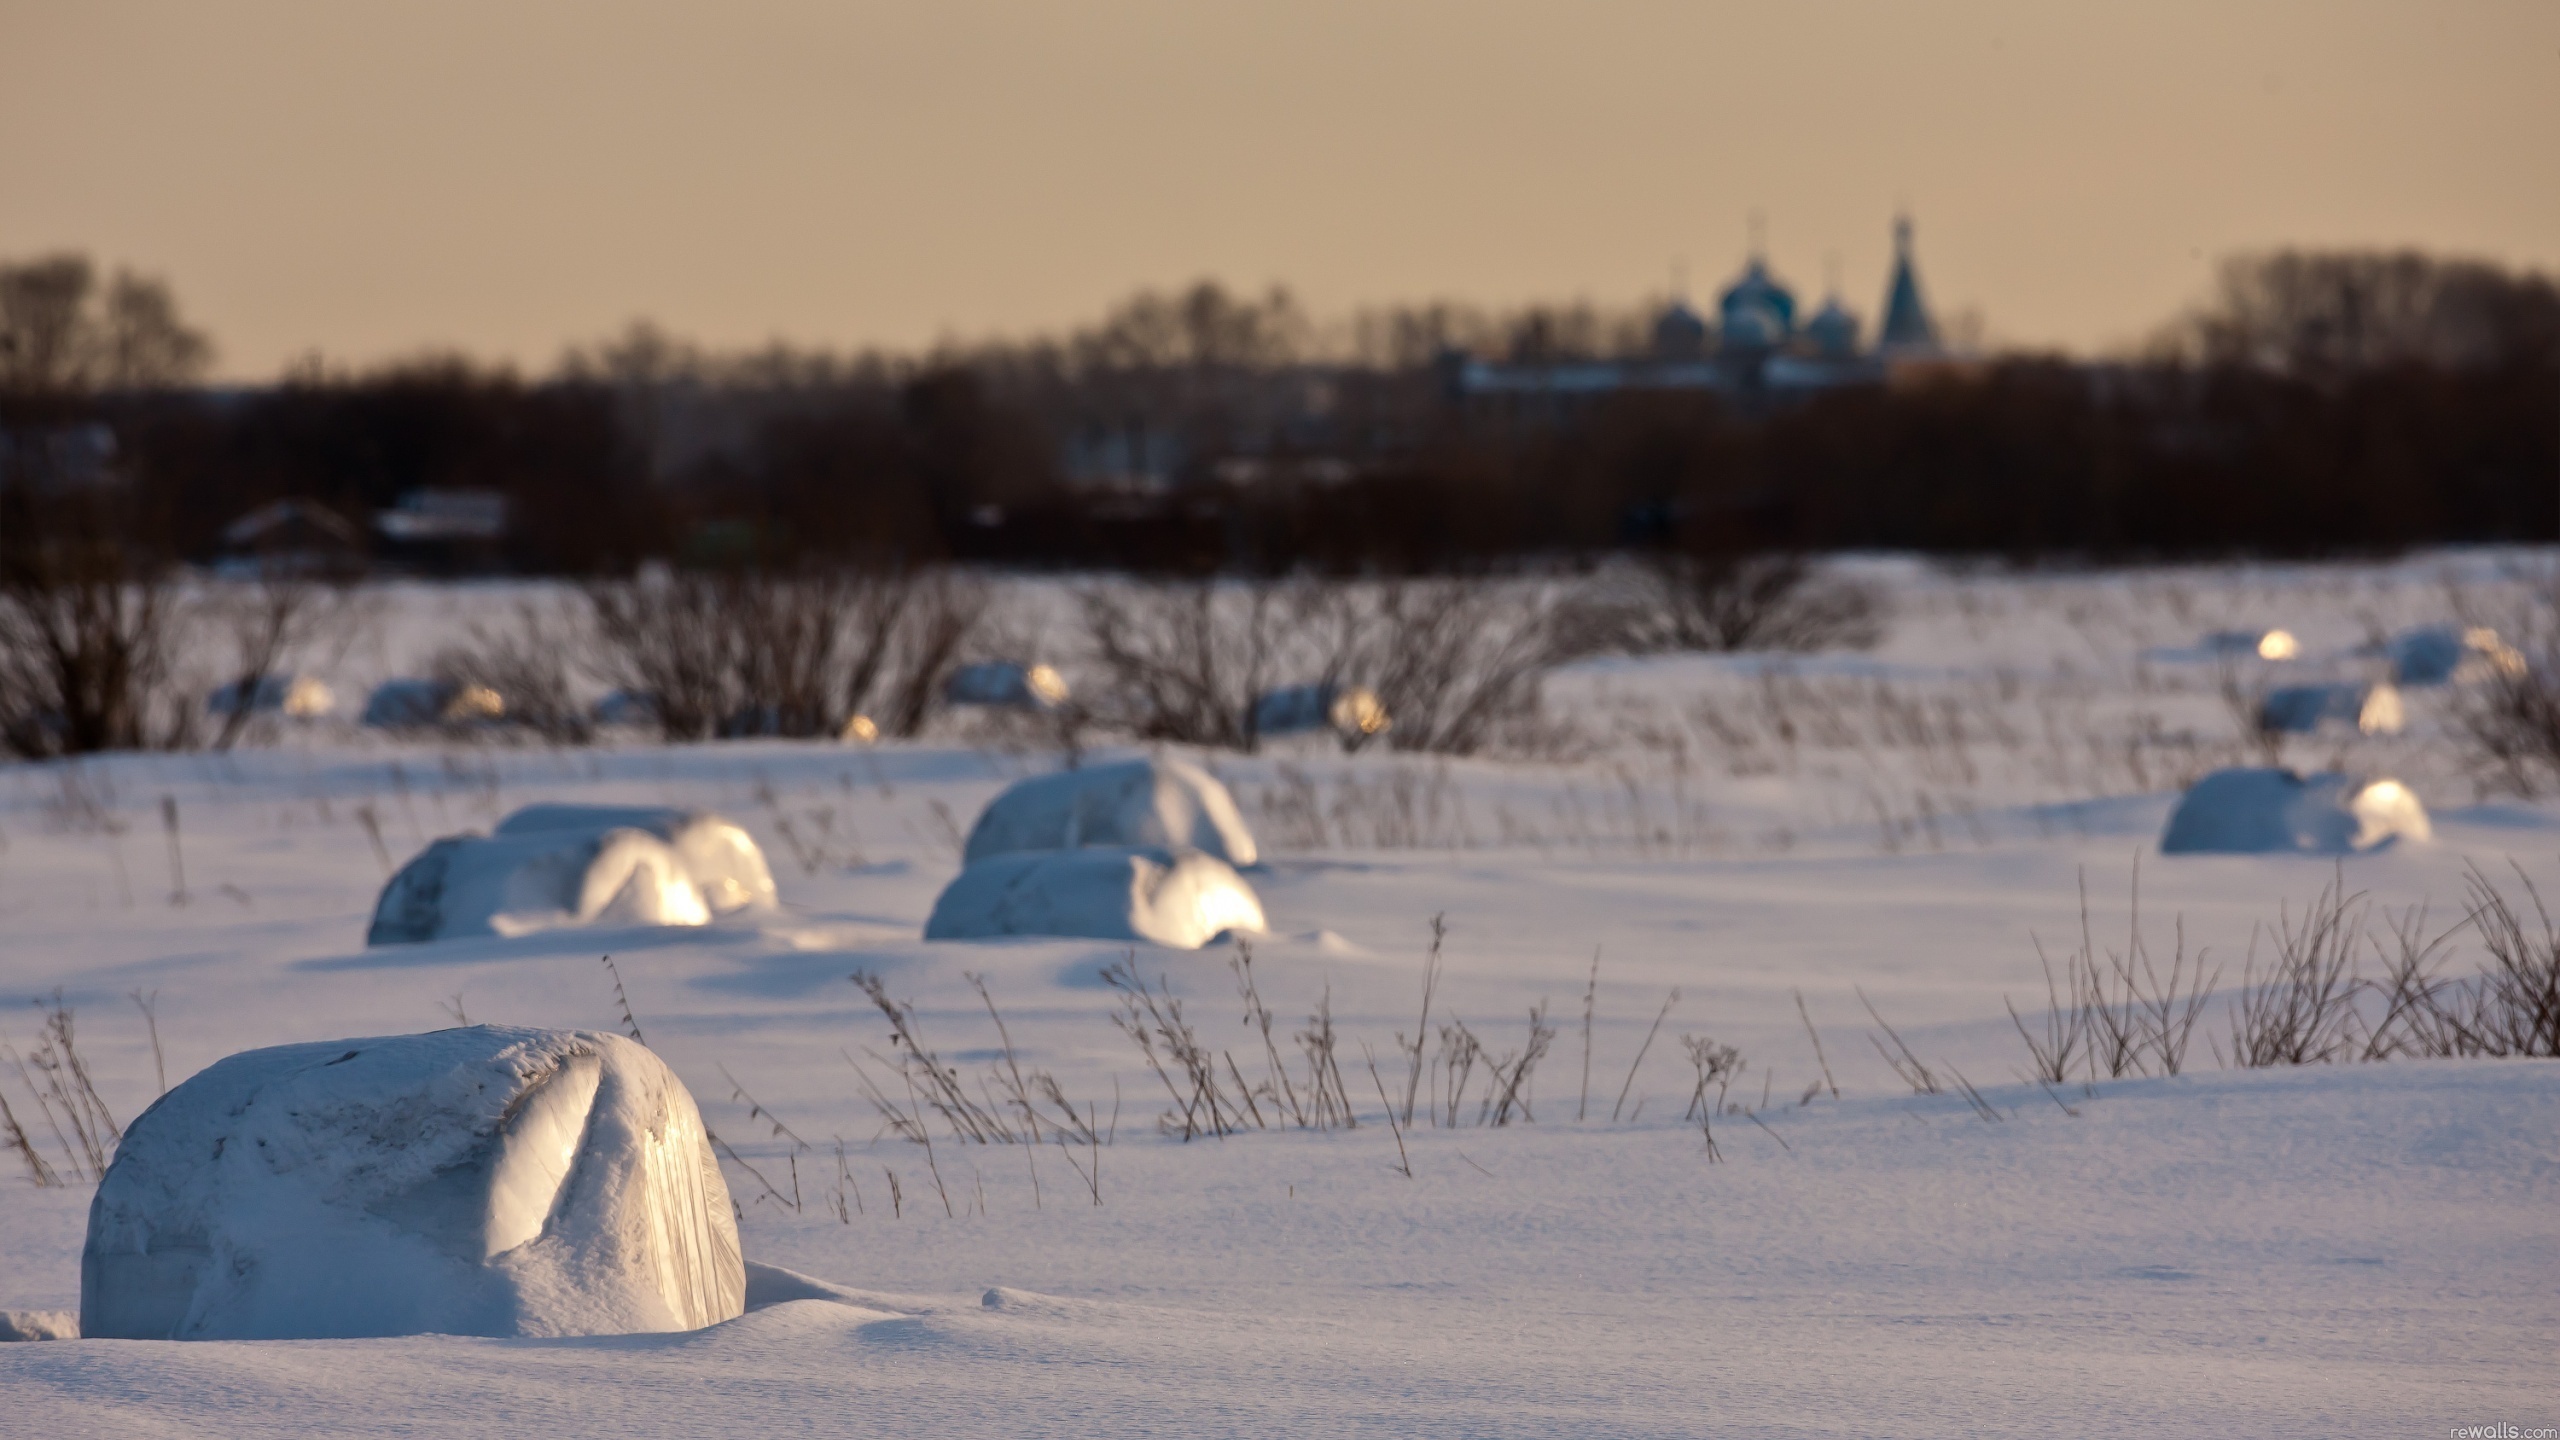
(1179, 898)
(481, 1181)
(1156, 803)
(544, 880)
(721, 859)
(2264, 812)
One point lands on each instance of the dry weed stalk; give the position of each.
(57, 1077)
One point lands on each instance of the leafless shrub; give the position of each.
(2122, 1016)
(1184, 660)
(1457, 664)
(528, 663)
(797, 654)
(2303, 1011)
(1729, 603)
(1460, 665)
(269, 620)
(2512, 1008)
(89, 631)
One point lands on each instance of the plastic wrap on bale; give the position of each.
(477, 1181)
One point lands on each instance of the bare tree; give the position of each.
(59, 334)
(269, 620)
(1728, 603)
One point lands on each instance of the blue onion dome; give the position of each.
(1759, 313)
(1679, 333)
(1833, 331)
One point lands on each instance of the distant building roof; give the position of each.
(295, 523)
(445, 515)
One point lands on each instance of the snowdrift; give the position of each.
(2303, 709)
(722, 860)
(480, 1181)
(1181, 898)
(2261, 812)
(1155, 803)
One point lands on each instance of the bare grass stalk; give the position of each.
(1642, 1050)
(1906, 1065)
(1716, 1064)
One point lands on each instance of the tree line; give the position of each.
(2313, 403)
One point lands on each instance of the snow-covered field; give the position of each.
(2367, 1249)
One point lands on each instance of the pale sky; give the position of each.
(509, 176)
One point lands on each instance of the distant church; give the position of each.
(1755, 352)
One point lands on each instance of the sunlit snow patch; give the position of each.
(480, 1181)
(1157, 802)
(1181, 898)
(2256, 812)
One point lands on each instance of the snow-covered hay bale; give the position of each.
(413, 704)
(2271, 811)
(481, 1181)
(2303, 709)
(299, 697)
(1006, 685)
(2450, 654)
(1353, 713)
(723, 860)
(1180, 898)
(2265, 644)
(1153, 803)
(626, 707)
(544, 880)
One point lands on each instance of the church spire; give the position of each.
(1907, 327)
